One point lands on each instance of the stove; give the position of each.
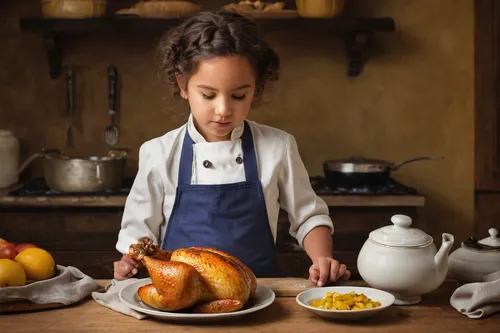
(391, 187)
(38, 187)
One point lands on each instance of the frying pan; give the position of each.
(359, 171)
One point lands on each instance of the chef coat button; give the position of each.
(239, 160)
(207, 164)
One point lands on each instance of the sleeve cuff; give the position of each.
(124, 241)
(310, 224)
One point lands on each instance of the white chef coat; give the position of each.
(284, 179)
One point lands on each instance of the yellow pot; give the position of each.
(73, 8)
(319, 8)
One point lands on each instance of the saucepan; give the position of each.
(81, 173)
(359, 171)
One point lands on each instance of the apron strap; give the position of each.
(186, 163)
(249, 157)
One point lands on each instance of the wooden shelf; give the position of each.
(356, 32)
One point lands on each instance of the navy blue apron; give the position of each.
(230, 217)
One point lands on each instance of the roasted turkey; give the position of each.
(204, 280)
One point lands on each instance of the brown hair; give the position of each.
(215, 33)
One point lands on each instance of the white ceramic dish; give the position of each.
(264, 297)
(306, 297)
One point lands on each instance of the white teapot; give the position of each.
(475, 260)
(404, 261)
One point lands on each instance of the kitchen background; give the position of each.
(414, 97)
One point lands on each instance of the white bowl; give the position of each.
(306, 297)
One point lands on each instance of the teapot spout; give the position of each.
(441, 257)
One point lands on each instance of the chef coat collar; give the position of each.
(198, 138)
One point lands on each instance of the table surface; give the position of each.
(433, 314)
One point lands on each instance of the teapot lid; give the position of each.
(493, 240)
(487, 244)
(400, 234)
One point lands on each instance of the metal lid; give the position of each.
(400, 234)
(493, 240)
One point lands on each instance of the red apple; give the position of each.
(7, 251)
(3, 241)
(22, 246)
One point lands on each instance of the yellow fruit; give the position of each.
(11, 273)
(37, 263)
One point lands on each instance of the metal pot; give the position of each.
(360, 171)
(81, 174)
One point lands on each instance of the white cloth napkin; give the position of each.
(109, 298)
(69, 286)
(478, 299)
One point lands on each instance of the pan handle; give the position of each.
(45, 152)
(397, 166)
(51, 151)
(98, 173)
(29, 161)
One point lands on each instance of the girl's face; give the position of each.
(220, 95)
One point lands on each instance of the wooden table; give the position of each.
(434, 314)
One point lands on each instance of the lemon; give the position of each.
(37, 263)
(11, 273)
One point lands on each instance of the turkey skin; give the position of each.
(202, 279)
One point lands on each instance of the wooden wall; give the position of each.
(414, 98)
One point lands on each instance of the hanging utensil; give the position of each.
(70, 91)
(111, 133)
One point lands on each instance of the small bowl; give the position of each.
(306, 297)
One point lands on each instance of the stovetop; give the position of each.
(391, 187)
(38, 187)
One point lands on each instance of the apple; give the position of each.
(22, 246)
(3, 241)
(7, 251)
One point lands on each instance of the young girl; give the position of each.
(220, 179)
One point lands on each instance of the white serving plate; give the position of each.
(306, 297)
(264, 297)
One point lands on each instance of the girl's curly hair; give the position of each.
(215, 33)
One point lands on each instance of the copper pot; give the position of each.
(319, 8)
(74, 9)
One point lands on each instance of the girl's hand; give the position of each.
(125, 268)
(326, 269)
